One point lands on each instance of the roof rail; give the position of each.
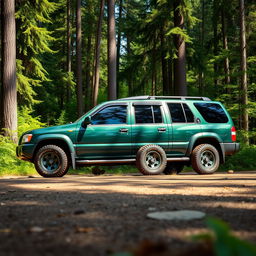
(166, 97)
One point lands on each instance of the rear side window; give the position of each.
(212, 112)
(188, 113)
(180, 113)
(110, 115)
(146, 114)
(177, 113)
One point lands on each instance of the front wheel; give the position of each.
(205, 159)
(51, 161)
(151, 160)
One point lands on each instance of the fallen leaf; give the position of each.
(5, 230)
(83, 229)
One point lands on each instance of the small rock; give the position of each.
(77, 212)
(176, 215)
(29, 196)
(230, 171)
(68, 239)
(36, 229)
(151, 209)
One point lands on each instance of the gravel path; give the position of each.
(101, 215)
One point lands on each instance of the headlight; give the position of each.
(27, 138)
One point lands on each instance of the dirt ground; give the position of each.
(102, 215)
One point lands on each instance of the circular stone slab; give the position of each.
(176, 215)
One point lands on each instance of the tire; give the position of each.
(173, 168)
(205, 159)
(151, 160)
(51, 161)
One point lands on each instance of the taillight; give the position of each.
(233, 134)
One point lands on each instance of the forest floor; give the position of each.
(102, 215)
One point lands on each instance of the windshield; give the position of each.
(80, 118)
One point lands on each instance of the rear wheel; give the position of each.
(151, 160)
(51, 161)
(173, 168)
(205, 159)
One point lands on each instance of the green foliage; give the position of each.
(9, 163)
(243, 160)
(32, 17)
(27, 122)
(224, 242)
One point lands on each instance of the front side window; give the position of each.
(212, 112)
(110, 115)
(146, 114)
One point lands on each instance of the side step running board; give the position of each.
(178, 159)
(123, 161)
(116, 161)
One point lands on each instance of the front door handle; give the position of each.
(123, 130)
(161, 129)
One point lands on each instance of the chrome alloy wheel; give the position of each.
(153, 159)
(50, 161)
(208, 159)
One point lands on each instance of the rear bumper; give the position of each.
(231, 148)
(25, 151)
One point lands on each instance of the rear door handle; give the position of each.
(123, 130)
(161, 129)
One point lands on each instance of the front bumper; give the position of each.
(25, 151)
(231, 148)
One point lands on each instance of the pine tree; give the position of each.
(111, 51)
(8, 78)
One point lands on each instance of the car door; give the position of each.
(108, 136)
(183, 125)
(148, 125)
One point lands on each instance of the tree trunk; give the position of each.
(180, 62)
(153, 64)
(201, 64)
(9, 90)
(170, 76)
(164, 62)
(130, 78)
(97, 55)
(68, 47)
(79, 59)
(244, 92)
(119, 44)
(225, 47)
(111, 51)
(87, 70)
(215, 42)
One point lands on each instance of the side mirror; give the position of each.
(86, 121)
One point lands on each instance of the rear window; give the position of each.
(145, 114)
(212, 112)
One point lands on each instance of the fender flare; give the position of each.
(62, 137)
(205, 135)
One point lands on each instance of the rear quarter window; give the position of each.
(212, 112)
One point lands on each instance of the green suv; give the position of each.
(160, 134)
